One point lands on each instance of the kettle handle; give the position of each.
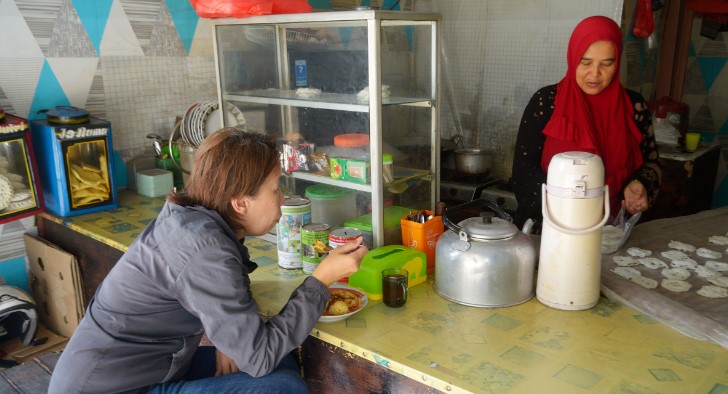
(480, 203)
(571, 231)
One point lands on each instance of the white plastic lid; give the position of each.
(567, 168)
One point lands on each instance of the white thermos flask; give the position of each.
(575, 206)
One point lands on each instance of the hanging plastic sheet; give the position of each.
(246, 8)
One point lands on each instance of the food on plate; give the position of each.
(676, 273)
(652, 263)
(676, 285)
(338, 307)
(674, 255)
(342, 302)
(624, 261)
(716, 265)
(718, 240)
(682, 246)
(710, 291)
(638, 252)
(708, 254)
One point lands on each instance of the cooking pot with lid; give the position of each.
(484, 261)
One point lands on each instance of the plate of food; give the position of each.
(345, 301)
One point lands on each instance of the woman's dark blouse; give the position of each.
(527, 175)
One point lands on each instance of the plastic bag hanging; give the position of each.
(246, 8)
(644, 22)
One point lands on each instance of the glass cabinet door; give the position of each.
(19, 194)
(351, 97)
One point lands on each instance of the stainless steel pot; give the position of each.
(484, 261)
(473, 161)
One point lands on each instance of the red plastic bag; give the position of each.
(644, 22)
(246, 8)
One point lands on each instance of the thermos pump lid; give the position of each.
(569, 167)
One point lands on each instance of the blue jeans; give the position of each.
(201, 378)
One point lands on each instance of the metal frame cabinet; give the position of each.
(268, 43)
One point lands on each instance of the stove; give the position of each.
(456, 189)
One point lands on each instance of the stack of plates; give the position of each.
(202, 119)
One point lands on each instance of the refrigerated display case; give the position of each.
(323, 83)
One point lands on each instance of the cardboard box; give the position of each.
(356, 171)
(55, 282)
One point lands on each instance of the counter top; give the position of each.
(455, 348)
(673, 152)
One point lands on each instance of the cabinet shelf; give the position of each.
(307, 176)
(402, 176)
(335, 101)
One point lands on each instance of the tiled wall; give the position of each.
(498, 53)
(136, 63)
(706, 92)
(141, 63)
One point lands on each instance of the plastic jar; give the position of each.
(352, 140)
(387, 170)
(330, 204)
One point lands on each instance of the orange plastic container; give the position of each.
(352, 140)
(423, 236)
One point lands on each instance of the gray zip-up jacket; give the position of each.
(185, 274)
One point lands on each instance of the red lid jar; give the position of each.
(675, 112)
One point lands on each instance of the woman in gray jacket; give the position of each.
(187, 273)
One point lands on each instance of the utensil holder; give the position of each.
(423, 236)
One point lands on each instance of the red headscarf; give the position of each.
(602, 123)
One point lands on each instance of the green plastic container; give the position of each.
(392, 225)
(330, 204)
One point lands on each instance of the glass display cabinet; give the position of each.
(20, 192)
(352, 97)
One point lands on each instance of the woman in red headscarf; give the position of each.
(590, 111)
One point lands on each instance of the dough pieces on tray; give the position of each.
(680, 259)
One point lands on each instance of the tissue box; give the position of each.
(369, 276)
(154, 183)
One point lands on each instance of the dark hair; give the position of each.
(230, 163)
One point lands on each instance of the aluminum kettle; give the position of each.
(484, 261)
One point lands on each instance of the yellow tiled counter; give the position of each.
(528, 348)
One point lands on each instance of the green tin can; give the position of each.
(314, 245)
(295, 213)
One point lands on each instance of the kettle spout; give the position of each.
(528, 226)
